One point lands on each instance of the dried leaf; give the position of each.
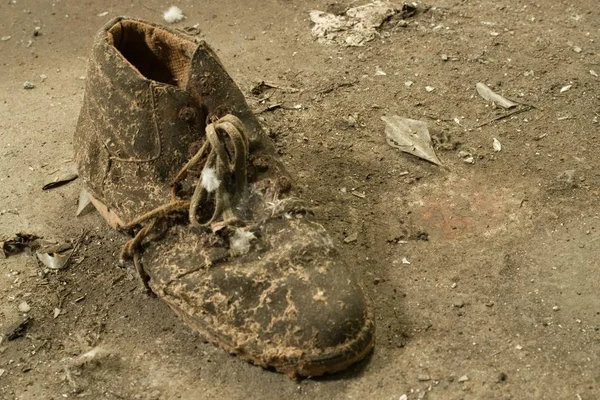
(55, 261)
(489, 95)
(410, 136)
(62, 180)
(84, 206)
(17, 244)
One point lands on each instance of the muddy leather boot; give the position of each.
(170, 153)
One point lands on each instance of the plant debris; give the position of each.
(84, 206)
(57, 257)
(411, 136)
(17, 244)
(354, 28)
(60, 181)
(17, 329)
(490, 95)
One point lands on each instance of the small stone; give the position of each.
(24, 307)
(496, 145)
(424, 377)
(376, 281)
(403, 397)
(593, 73)
(379, 72)
(565, 88)
(408, 83)
(429, 89)
(28, 85)
(454, 285)
(405, 261)
(577, 49)
(5, 38)
(519, 347)
(351, 238)
(463, 378)
(43, 77)
(102, 14)
(444, 57)
(2, 371)
(458, 303)
(555, 308)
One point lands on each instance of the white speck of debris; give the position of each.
(173, 14)
(555, 308)
(240, 241)
(519, 347)
(5, 38)
(403, 397)
(494, 33)
(457, 120)
(577, 49)
(497, 145)
(298, 106)
(102, 14)
(565, 88)
(429, 89)
(379, 72)
(453, 285)
(593, 73)
(209, 180)
(320, 296)
(463, 378)
(28, 85)
(24, 307)
(408, 83)
(95, 353)
(405, 260)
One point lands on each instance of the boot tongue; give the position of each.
(212, 88)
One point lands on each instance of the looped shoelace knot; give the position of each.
(223, 160)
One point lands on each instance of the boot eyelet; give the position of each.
(187, 114)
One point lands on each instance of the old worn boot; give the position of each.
(171, 154)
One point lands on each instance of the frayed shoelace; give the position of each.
(227, 167)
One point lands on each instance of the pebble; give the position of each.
(403, 397)
(351, 238)
(424, 377)
(2, 371)
(429, 89)
(5, 38)
(519, 347)
(463, 378)
(458, 304)
(24, 307)
(28, 85)
(555, 308)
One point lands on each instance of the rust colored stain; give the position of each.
(463, 209)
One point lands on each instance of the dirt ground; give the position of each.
(501, 299)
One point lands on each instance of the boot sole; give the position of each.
(307, 366)
(335, 360)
